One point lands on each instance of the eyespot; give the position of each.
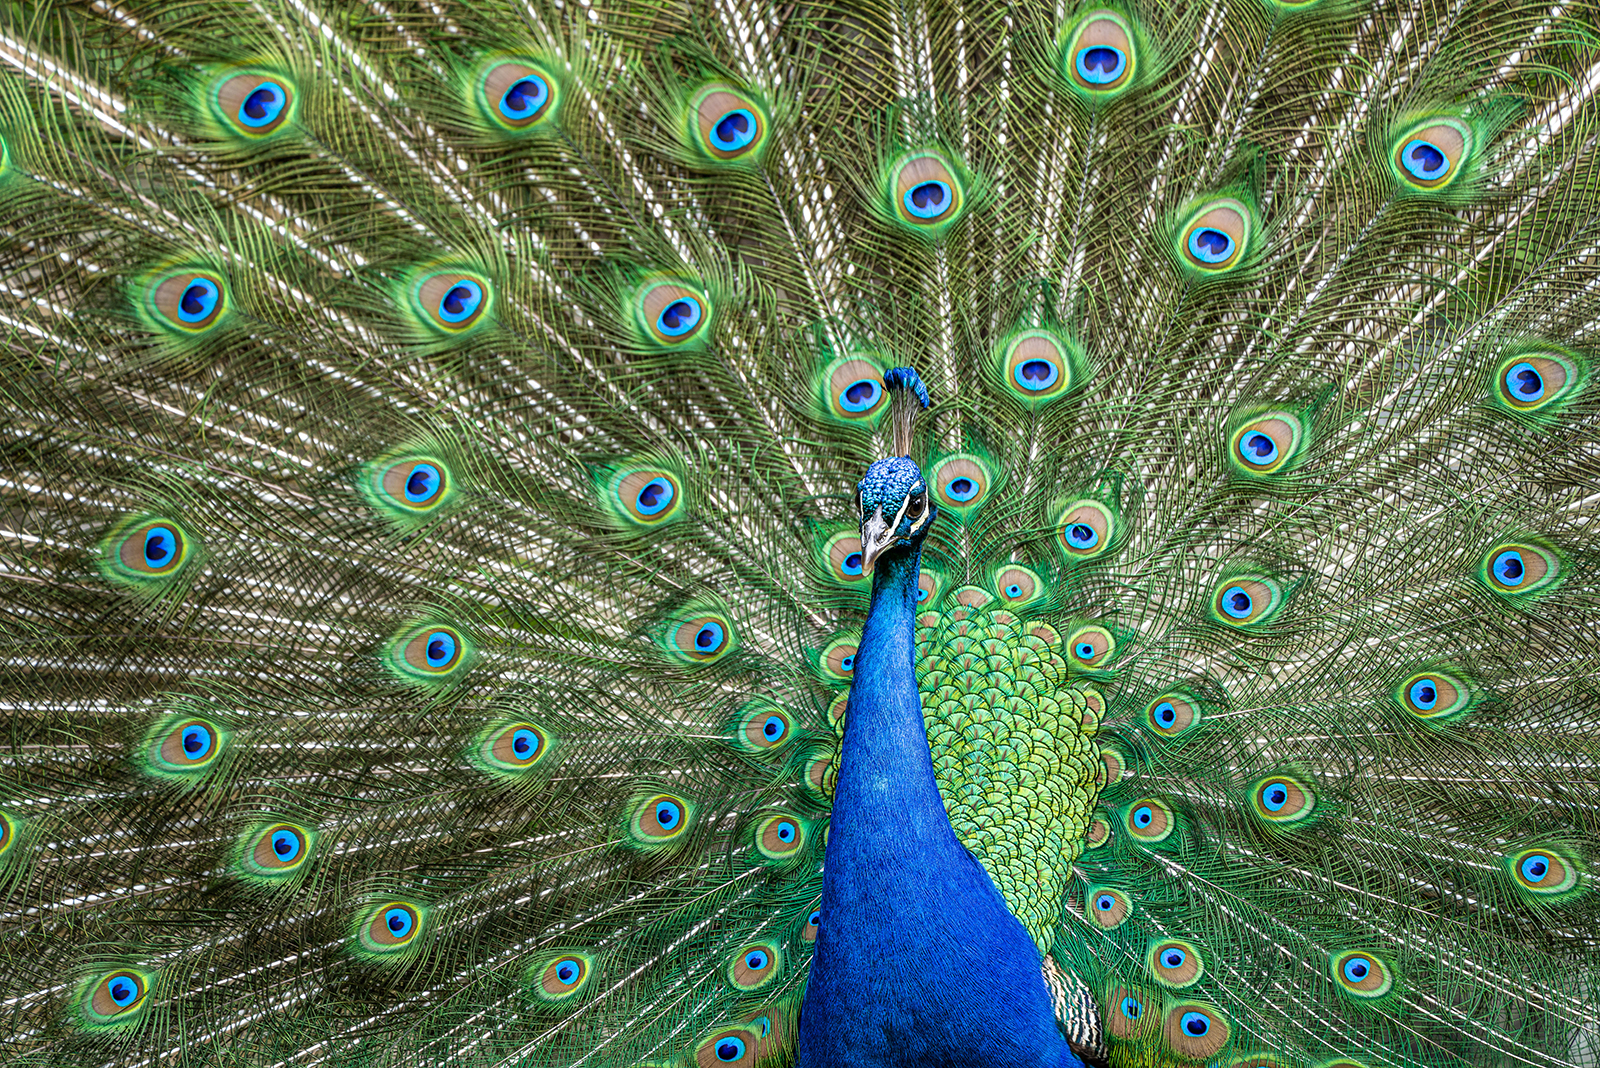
(673, 314)
(1429, 156)
(929, 587)
(731, 1048)
(1171, 714)
(1113, 766)
(1099, 59)
(852, 390)
(8, 834)
(1175, 963)
(754, 966)
(960, 483)
(414, 484)
(429, 653)
(517, 96)
(1520, 568)
(926, 191)
(780, 837)
(1434, 695)
(1017, 585)
(390, 926)
(647, 496)
(556, 977)
(729, 125)
(1036, 366)
(762, 726)
(1091, 647)
(1216, 237)
(813, 924)
(703, 637)
(1194, 1030)
(1150, 820)
(1267, 444)
(275, 850)
(1542, 871)
(255, 105)
(1130, 1015)
(1085, 529)
(1282, 799)
(658, 819)
(184, 746)
(514, 746)
(452, 302)
(839, 660)
(819, 774)
(1246, 600)
(144, 550)
(844, 560)
(1098, 834)
(1361, 974)
(117, 996)
(189, 300)
(1106, 907)
(1536, 381)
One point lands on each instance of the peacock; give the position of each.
(748, 533)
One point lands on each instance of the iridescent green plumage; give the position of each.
(433, 578)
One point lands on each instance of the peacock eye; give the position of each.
(917, 505)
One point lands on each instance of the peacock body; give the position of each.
(478, 591)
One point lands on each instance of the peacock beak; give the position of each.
(876, 536)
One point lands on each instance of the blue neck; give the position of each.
(915, 941)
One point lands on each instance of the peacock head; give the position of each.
(895, 510)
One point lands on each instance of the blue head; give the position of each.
(894, 505)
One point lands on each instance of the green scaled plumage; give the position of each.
(432, 573)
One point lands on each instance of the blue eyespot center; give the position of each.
(1036, 375)
(1174, 958)
(860, 395)
(423, 483)
(461, 302)
(1014, 590)
(1524, 383)
(961, 489)
(160, 547)
(524, 744)
(441, 648)
(654, 496)
(524, 99)
(1274, 796)
(399, 921)
(1104, 902)
(199, 300)
(755, 960)
(568, 971)
(668, 815)
(847, 663)
(852, 564)
(286, 844)
(1084, 650)
(1132, 1009)
(1143, 816)
(679, 317)
(1101, 65)
(1236, 602)
(773, 727)
(1508, 568)
(1425, 160)
(709, 638)
(1357, 968)
(1424, 694)
(734, 131)
(922, 595)
(1082, 536)
(815, 919)
(1195, 1023)
(1210, 245)
(1258, 449)
(928, 200)
(730, 1049)
(196, 741)
(263, 106)
(123, 990)
(1166, 715)
(1535, 867)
